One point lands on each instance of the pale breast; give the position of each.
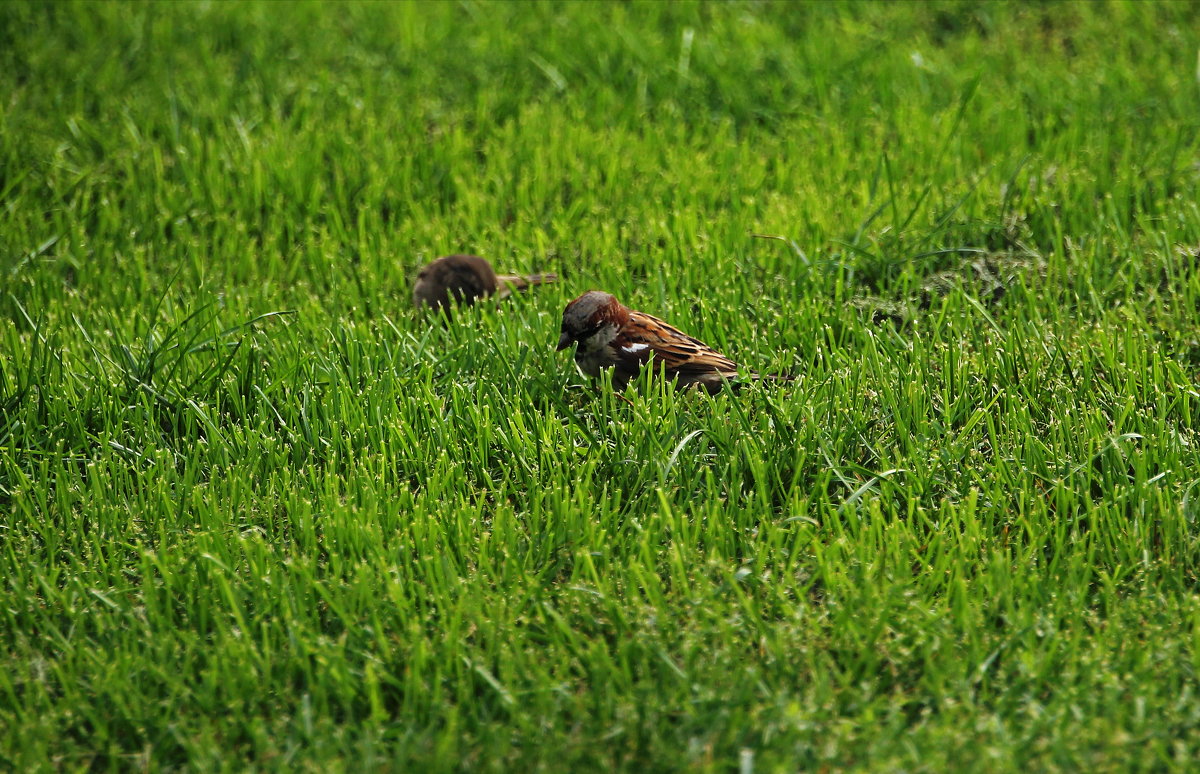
(593, 353)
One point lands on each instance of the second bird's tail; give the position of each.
(510, 282)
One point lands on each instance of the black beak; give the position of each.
(564, 341)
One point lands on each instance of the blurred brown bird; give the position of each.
(462, 279)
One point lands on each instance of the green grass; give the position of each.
(257, 513)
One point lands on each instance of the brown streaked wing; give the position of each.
(679, 352)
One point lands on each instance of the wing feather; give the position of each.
(679, 353)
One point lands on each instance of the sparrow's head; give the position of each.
(588, 315)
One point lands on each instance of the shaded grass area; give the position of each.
(257, 510)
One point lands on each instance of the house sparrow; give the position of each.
(610, 335)
(463, 279)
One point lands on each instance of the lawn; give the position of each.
(256, 512)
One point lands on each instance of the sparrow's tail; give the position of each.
(511, 282)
